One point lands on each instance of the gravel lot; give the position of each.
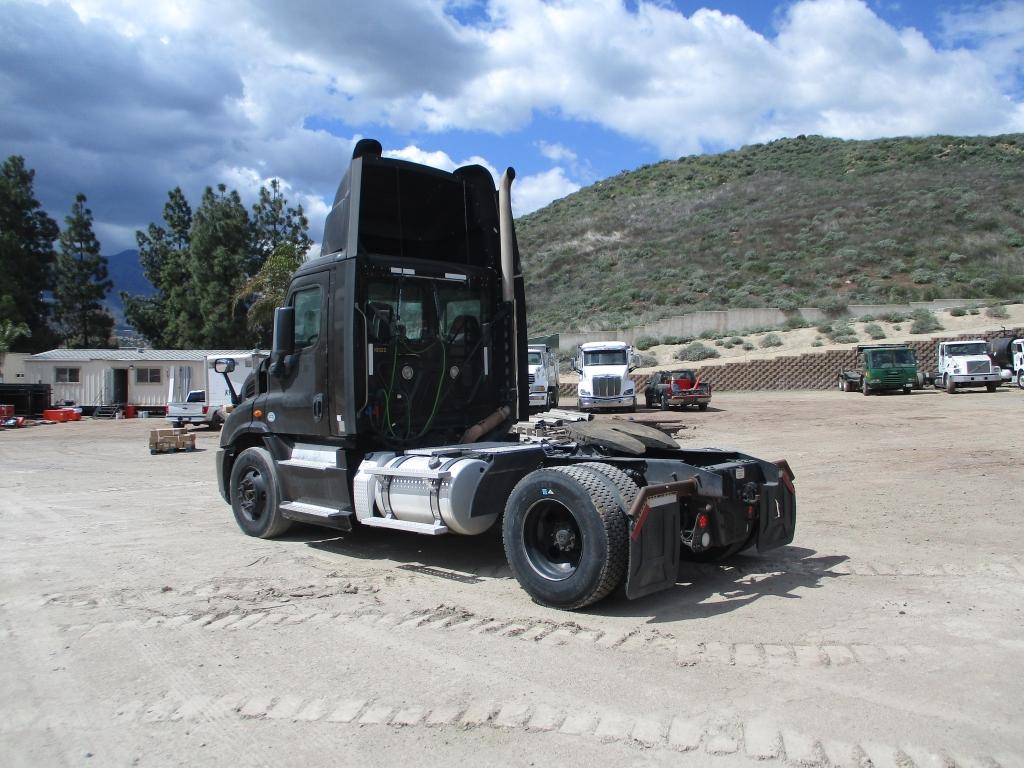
(140, 627)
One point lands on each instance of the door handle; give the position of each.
(318, 407)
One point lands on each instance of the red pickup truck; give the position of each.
(681, 387)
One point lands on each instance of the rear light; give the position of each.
(205, 409)
(702, 520)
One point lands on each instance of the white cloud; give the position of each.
(125, 100)
(532, 192)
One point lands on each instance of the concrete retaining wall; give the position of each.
(812, 370)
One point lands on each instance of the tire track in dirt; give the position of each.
(758, 740)
(545, 633)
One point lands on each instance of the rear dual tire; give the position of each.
(566, 535)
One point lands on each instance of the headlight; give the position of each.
(630, 391)
(956, 368)
(538, 387)
(584, 391)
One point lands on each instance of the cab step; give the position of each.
(304, 512)
(430, 529)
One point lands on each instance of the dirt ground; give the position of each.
(140, 627)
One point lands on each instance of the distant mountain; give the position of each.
(126, 272)
(807, 221)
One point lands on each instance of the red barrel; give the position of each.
(129, 411)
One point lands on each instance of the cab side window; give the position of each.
(307, 316)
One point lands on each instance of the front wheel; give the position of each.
(554, 397)
(864, 387)
(991, 387)
(702, 406)
(565, 536)
(1020, 379)
(664, 403)
(950, 385)
(256, 495)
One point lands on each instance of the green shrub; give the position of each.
(696, 351)
(958, 311)
(709, 334)
(792, 323)
(825, 329)
(893, 317)
(645, 342)
(736, 340)
(973, 311)
(771, 340)
(846, 339)
(867, 318)
(997, 311)
(875, 331)
(924, 322)
(817, 343)
(747, 346)
(897, 327)
(832, 305)
(721, 343)
(648, 361)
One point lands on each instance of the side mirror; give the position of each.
(284, 341)
(574, 365)
(634, 361)
(224, 365)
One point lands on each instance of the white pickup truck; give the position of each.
(966, 364)
(212, 403)
(604, 368)
(542, 368)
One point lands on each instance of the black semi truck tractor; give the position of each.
(396, 380)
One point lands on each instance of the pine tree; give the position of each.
(167, 319)
(219, 255)
(81, 283)
(274, 223)
(26, 256)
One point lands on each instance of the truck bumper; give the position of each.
(538, 398)
(222, 480)
(689, 400)
(589, 401)
(975, 379)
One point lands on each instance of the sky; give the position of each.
(125, 100)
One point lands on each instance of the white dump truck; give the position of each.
(604, 368)
(542, 374)
(966, 364)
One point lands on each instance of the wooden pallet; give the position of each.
(167, 440)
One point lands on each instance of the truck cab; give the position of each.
(604, 368)
(884, 368)
(397, 378)
(966, 364)
(542, 376)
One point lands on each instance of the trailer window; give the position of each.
(68, 375)
(147, 375)
(307, 316)
(891, 358)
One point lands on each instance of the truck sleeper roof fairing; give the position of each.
(392, 207)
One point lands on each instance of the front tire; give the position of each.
(566, 536)
(950, 385)
(864, 387)
(991, 387)
(256, 495)
(1020, 379)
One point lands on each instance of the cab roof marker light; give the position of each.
(402, 271)
(455, 276)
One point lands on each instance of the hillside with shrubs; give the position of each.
(807, 221)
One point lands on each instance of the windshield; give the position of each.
(533, 358)
(967, 348)
(605, 357)
(891, 358)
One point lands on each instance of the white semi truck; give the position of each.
(966, 364)
(604, 368)
(542, 374)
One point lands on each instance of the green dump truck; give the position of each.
(885, 368)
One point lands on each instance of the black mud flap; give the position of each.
(778, 513)
(654, 548)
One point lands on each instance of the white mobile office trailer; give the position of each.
(103, 377)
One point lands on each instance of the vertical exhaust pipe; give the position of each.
(505, 230)
(506, 237)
